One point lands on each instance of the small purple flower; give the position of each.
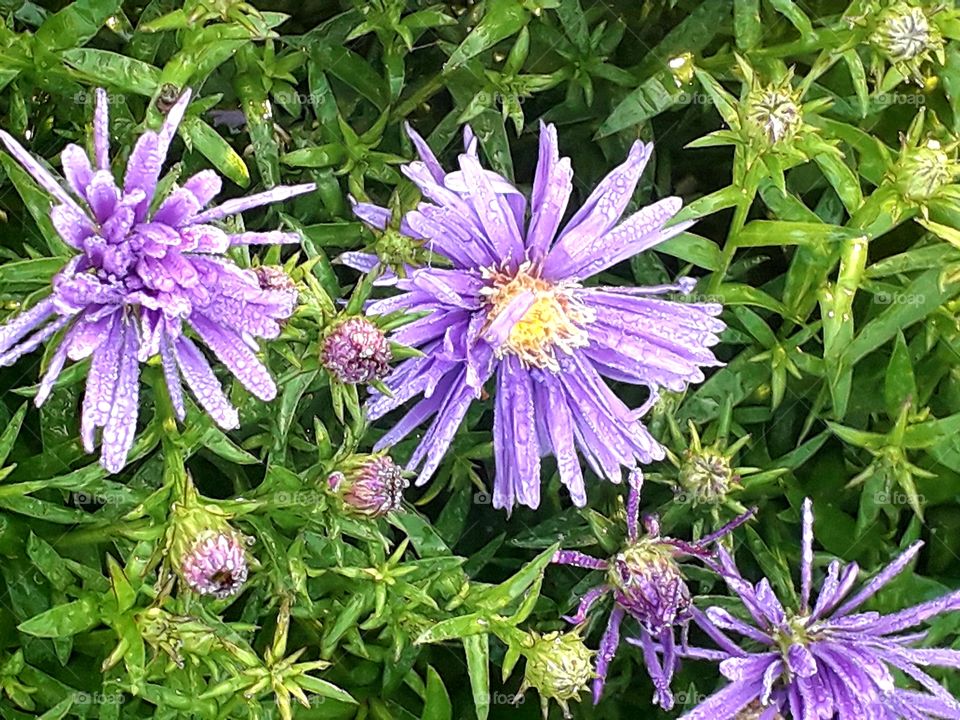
(825, 660)
(647, 584)
(145, 267)
(216, 565)
(373, 488)
(511, 305)
(356, 352)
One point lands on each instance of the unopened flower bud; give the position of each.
(923, 170)
(356, 351)
(648, 583)
(774, 113)
(371, 485)
(904, 33)
(706, 476)
(559, 667)
(756, 711)
(216, 565)
(273, 277)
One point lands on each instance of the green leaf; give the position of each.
(760, 233)
(77, 23)
(203, 138)
(64, 620)
(502, 19)
(114, 70)
(10, 433)
(477, 648)
(436, 704)
(900, 385)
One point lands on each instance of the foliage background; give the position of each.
(831, 251)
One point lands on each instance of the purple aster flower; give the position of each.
(372, 486)
(512, 305)
(356, 351)
(216, 565)
(828, 659)
(146, 266)
(648, 585)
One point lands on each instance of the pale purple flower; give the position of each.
(511, 305)
(648, 585)
(373, 488)
(216, 565)
(356, 351)
(146, 267)
(827, 659)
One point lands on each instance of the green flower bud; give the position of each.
(904, 33)
(559, 667)
(706, 476)
(773, 113)
(923, 170)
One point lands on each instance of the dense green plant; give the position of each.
(817, 146)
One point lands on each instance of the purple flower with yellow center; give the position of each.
(828, 659)
(147, 267)
(648, 585)
(512, 305)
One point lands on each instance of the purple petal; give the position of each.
(76, 168)
(23, 323)
(239, 205)
(204, 384)
(552, 185)
(272, 237)
(607, 651)
(806, 555)
(120, 429)
(591, 254)
(237, 356)
(172, 377)
(101, 130)
(102, 381)
(373, 215)
(205, 186)
(882, 578)
(34, 341)
(37, 171)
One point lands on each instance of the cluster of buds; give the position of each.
(355, 351)
(369, 485)
(209, 556)
(559, 666)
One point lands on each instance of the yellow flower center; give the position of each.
(555, 320)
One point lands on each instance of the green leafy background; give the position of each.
(835, 255)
